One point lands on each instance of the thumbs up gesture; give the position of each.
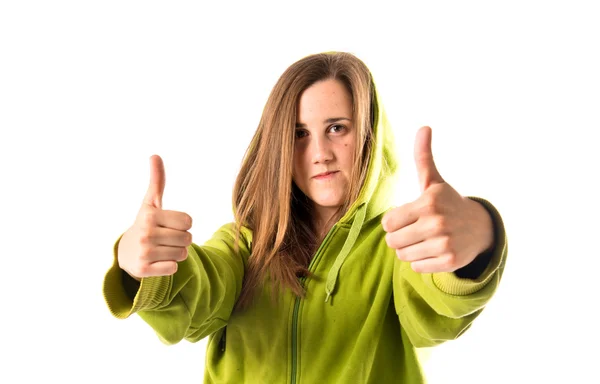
(158, 238)
(441, 231)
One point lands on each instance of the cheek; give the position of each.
(348, 151)
(299, 159)
(296, 167)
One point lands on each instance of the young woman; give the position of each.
(319, 279)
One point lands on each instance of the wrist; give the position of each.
(486, 224)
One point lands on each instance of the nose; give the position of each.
(321, 150)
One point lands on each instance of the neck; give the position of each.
(323, 220)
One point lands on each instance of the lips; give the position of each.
(325, 175)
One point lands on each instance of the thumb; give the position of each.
(426, 169)
(156, 188)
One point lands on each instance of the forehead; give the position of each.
(325, 99)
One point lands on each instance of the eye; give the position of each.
(300, 133)
(336, 128)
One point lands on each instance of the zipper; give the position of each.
(297, 310)
(295, 335)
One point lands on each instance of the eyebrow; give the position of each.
(327, 121)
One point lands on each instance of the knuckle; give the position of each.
(430, 203)
(438, 224)
(146, 270)
(141, 270)
(145, 239)
(388, 221)
(389, 240)
(394, 240)
(145, 253)
(446, 244)
(417, 267)
(149, 218)
(188, 221)
(450, 262)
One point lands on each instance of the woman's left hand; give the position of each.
(441, 231)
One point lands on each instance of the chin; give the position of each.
(328, 202)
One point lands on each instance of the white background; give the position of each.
(90, 90)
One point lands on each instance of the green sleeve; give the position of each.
(435, 307)
(194, 302)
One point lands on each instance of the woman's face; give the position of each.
(324, 145)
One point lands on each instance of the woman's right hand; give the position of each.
(158, 239)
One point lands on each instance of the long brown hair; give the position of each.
(266, 200)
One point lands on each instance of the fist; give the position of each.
(158, 239)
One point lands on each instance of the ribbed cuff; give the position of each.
(451, 284)
(150, 295)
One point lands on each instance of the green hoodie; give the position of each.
(364, 314)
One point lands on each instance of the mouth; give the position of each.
(325, 175)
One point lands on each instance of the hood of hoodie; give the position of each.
(378, 188)
(376, 194)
